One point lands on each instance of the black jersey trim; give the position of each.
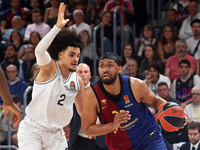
(114, 98)
(99, 114)
(46, 82)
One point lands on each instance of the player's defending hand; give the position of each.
(61, 21)
(120, 118)
(16, 115)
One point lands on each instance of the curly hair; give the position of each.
(64, 39)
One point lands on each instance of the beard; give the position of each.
(109, 81)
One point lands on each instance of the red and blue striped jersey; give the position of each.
(134, 133)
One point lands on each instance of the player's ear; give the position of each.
(60, 55)
(119, 69)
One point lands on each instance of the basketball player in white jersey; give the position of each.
(56, 88)
(8, 104)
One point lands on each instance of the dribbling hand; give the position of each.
(120, 118)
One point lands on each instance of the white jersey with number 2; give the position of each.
(52, 101)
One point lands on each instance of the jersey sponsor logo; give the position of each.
(72, 85)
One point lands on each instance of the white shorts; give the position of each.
(32, 136)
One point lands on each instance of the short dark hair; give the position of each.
(174, 10)
(194, 125)
(133, 59)
(184, 61)
(195, 21)
(16, 98)
(64, 39)
(162, 83)
(193, 1)
(37, 10)
(11, 44)
(155, 66)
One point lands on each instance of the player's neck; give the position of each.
(113, 88)
(65, 72)
(185, 76)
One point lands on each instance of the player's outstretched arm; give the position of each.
(8, 104)
(42, 56)
(89, 116)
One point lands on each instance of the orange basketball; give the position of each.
(170, 116)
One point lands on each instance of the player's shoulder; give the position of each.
(134, 80)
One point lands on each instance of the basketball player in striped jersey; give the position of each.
(119, 103)
(56, 88)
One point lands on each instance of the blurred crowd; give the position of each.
(165, 57)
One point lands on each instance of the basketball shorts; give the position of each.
(32, 136)
(154, 141)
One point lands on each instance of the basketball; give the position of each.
(170, 116)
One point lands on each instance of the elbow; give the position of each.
(85, 130)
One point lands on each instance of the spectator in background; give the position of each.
(5, 123)
(128, 11)
(151, 57)
(106, 23)
(194, 137)
(172, 66)
(34, 40)
(148, 38)
(87, 55)
(79, 5)
(16, 25)
(153, 78)
(186, 30)
(193, 42)
(128, 52)
(163, 91)
(16, 85)
(172, 21)
(132, 69)
(94, 13)
(38, 25)
(166, 45)
(16, 38)
(78, 139)
(80, 25)
(10, 57)
(29, 61)
(182, 10)
(33, 5)
(8, 14)
(192, 110)
(181, 87)
(50, 15)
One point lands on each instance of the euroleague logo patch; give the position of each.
(72, 85)
(126, 99)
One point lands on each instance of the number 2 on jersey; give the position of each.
(61, 100)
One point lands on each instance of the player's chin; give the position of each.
(72, 69)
